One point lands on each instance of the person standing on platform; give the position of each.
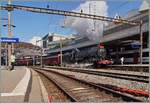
(12, 61)
(122, 60)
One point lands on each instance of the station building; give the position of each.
(50, 39)
(120, 39)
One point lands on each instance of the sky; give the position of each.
(31, 25)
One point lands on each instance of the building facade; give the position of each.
(120, 39)
(51, 39)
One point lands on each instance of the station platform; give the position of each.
(130, 65)
(120, 71)
(20, 85)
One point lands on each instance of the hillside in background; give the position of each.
(21, 45)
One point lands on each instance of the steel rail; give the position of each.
(129, 68)
(62, 89)
(114, 75)
(138, 78)
(116, 93)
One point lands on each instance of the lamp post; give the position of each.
(0, 45)
(9, 34)
(41, 52)
(60, 51)
(6, 55)
(0, 39)
(141, 42)
(11, 47)
(61, 58)
(61, 42)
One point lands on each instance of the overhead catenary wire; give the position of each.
(116, 9)
(67, 13)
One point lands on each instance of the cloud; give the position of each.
(34, 39)
(92, 29)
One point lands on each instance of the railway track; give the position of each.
(143, 68)
(133, 77)
(79, 90)
(54, 94)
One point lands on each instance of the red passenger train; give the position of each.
(53, 60)
(24, 62)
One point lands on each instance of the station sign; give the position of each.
(9, 40)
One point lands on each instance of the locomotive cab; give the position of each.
(101, 52)
(102, 57)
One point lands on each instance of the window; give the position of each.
(146, 54)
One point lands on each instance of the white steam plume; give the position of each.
(34, 39)
(92, 29)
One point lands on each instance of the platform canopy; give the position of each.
(144, 6)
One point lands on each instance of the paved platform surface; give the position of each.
(21, 85)
(35, 94)
(9, 82)
(9, 79)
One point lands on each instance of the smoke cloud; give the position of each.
(93, 29)
(34, 39)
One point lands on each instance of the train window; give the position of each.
(127, 55)
(145, 45)
(110, 50)
(146, 54)
(122, 49)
